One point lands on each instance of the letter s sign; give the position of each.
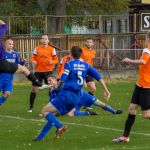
(145, 21)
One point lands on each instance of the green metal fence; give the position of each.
(90, 24)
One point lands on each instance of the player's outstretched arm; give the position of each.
(131, 61)
(106, 91)
(96, 75)
(3, 28)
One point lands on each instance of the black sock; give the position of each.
(129, 122)
(32, 98)
(31, 77)
(91, 93)
(35, 81)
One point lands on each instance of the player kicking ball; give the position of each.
(9, 67)
(6, 79)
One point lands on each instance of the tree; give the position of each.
(19, 8)
(60, 8)
(78, 7)
(57, 8)
(94, 7)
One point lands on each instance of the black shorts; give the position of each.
(42, 76)
(88, 79)
(8, 67)
(141, 96)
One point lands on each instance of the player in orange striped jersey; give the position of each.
(65, 59)
(88, 55)
(141, 94)
(44, 59)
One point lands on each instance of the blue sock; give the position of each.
(2, 100)
(110, 109)
(53, 120)
(81, 113)
(45, 130)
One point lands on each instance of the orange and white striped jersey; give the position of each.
(144, 70)
(43, 56)
(88, 55)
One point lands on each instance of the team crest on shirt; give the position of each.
(14, 56)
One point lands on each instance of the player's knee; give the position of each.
(22, 69)
(34, 89)
(132, 110)
(7, 94)
(43, 111)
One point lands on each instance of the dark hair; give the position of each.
(45, 34)
(52, 76)
(8, 38)
(76, 52)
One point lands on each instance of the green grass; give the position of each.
(84, 133)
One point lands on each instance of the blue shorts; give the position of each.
(85, 100)
(6, 85)
(65, 101)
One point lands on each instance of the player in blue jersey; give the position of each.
(71, 81)
(6, 79)
(86, 100)
(8, 67)
(52, 82)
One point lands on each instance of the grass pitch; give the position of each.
(18, 127)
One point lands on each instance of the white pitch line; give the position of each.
(77, 124)
(132, 148)
(123, 148)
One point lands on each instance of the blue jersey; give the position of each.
(11, 57)
(3, 29)
(53, 93)
(86, 100)
(74, 74)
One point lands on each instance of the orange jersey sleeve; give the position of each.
(88, 55)
(145, 57)
(33, 58)
(55, 60)
(62, 64)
